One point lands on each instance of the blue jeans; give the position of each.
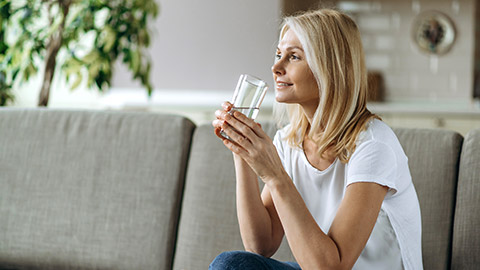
(243, 260)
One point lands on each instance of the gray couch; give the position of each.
(124, 190)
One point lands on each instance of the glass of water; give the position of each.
(248, 96)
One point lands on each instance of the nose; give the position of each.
(278, 68)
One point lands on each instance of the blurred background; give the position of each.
(199, 48)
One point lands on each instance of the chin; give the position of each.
(279, 99)
(282, 99)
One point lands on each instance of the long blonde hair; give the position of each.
(334, 53)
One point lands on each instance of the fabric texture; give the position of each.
(101, 190)
(466, 234)
(378, 158)
(242, 260)
(433, 158)
(208, 222)
(90, 189)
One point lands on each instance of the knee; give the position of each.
(232, 260)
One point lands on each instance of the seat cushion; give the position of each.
(466, 234)
(90, 189)
(433, 160)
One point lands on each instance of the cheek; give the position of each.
(314, 85)
(308, 81)
(307, 91)
(312, 81)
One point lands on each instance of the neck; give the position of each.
(310, 108)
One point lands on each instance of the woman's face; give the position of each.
(294, 80)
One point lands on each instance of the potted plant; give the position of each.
(78, 39)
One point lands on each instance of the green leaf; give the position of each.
(77, 82)
(71, 67)
(109, 37)
(135, 61)
(91, 57)
(93, 70)
(29, 71)
(121, 30)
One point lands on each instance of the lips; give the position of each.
(283, 84)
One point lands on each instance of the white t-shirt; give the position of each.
(395, 242)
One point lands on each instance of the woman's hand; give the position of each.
(217, 124)
(250, 142)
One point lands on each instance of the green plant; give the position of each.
(84, 38)
(5, 92)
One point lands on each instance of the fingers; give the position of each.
(218, 133)
(227, 106)
(256, 127)
(236, 136)
(217, 123)
(220, 115)
(243, 126)
(235, 148)
(232, 146)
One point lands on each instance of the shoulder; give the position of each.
(376, 157)
(377, 131)
(381, 131)
(377, 141)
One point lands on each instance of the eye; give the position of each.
(294, 57)
(278, 56)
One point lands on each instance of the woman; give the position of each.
(337, 182)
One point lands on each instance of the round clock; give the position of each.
(433, 32)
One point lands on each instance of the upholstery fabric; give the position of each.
(103, 189)
(208, 222)
(466, 234)
(434, 160)
(89, 189)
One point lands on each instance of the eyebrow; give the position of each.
(292, 48)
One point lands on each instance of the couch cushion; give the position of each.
(433, 160)
(208, 221)
(89, 189)
(466, 234)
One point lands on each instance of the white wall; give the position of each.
(409, 74)
(197, 45)
(198, 51)
(207, 44)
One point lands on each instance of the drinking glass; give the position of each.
(248, 96)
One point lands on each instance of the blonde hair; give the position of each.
(334, 53)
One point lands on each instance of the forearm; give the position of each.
(312, 248)
(254, 220)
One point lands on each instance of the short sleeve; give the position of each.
(375, 162)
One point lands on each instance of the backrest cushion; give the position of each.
(89, 189)
(433, 160)
(466, 234)
(208, 221)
